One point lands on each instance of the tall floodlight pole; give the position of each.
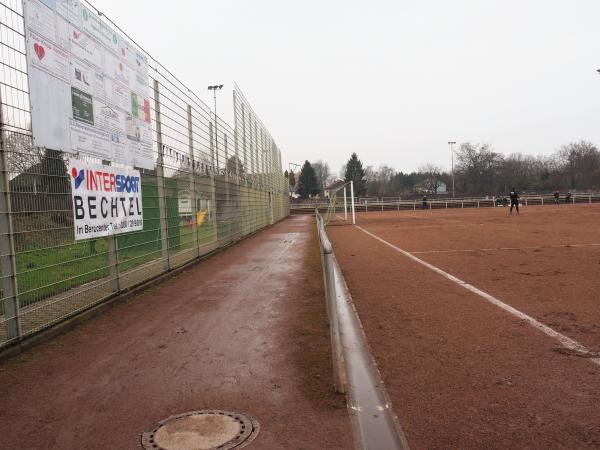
(215, 88)
(451, 143)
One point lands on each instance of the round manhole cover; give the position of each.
(202, 430)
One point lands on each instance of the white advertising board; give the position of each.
(89, 86)
(106, 200)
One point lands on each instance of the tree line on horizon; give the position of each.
(479, 170)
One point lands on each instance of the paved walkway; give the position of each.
(244, 330)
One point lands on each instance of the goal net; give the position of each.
(340, 209)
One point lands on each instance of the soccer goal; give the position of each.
(340, 210)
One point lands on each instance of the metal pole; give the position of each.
(216, 126)
(345, 205)
(8, 264)
(212, 145)
(352, 202)
(192, 181)
(452, 153)
(452, 171)
(160, 182)
(113, 256)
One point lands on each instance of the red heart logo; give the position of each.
(39, 51)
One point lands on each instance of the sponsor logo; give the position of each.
(78, 176)
(39, 51)
(99, 181)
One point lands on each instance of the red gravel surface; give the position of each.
(245, 330)
(461, 372)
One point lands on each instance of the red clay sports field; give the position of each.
(485, 326)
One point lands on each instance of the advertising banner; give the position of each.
(106, 200)
(89, 87)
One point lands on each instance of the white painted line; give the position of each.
(564, 340)
(503, 248)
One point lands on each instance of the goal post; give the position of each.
(340, 209)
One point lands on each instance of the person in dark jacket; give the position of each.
(424, 204)
(514, 200)
(556, 197)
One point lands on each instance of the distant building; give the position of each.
(333, 187)
(425, 187)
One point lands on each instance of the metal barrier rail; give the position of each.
(354, 370)
(331, 300)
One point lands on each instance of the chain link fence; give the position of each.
(212, 185)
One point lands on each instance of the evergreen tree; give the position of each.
(356, 173)
(307, 184)
(292, 178)
(54, 178)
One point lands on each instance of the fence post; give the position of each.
(113, 255)
(160, 182)
(478, 203)
(542, 201)
(113, 262)
(192, 181)
(345, 205)
(7, 247)
(590, 199)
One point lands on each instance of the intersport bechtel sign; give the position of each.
(106, 200)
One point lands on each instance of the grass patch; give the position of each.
(45, 272)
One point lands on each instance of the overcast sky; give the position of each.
(390, 80)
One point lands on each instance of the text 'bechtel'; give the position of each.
(113, 206)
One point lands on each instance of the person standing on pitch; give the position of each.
(514, 200)
(568, 197)
(556, 197)
(424, 204)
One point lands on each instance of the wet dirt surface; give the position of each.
(245, 330)
(461, 372)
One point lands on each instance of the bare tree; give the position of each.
(478, 168)
(581, 162)
(22, 156)
(380, 181)
(323, 173)
(432, 177)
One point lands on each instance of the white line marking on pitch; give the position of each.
(564, 340)
(503, 248)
